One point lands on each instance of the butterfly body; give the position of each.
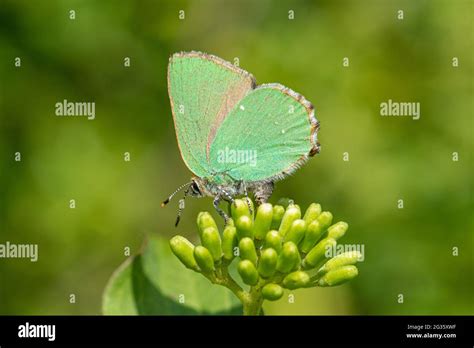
(234, 136)
(204, 187)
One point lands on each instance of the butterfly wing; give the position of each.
(203, 89)
(269, 134)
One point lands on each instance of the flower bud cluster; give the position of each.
(276, 247)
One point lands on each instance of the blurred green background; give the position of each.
(408, 251)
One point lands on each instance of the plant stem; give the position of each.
(253, 305)
(222, 277)
(251, 301)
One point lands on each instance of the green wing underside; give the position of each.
(203, 89)
(224, 125)
(266, 136)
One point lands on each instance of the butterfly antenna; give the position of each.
(181, 207)
(167, 200)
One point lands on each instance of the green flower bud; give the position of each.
(263, 220)
(248, 272)
(291, 214)
(267, 262)
(313, 233)
(337, 230)
(288, 257)
(297, 207)
(278, 212)
(184, 251)
(230, 222)
(212, 241)
(317, 255)
(244, 226)
(295, 280)
(273, 240)
(338, 276)
(247, 250)
(229, 241)
(296, 232)
(204, 259)
(239, 208)
(272, 292)
(344, 259)
(297, 265)
(312, 213)
(325, 219)
(205, 220)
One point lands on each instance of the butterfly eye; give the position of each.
(195, 189)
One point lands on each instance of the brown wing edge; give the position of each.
(214, 59)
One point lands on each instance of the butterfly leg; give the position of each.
(263, 192)
(228, 197)
(216, 202)
(244, 187)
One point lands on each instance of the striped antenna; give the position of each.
(167, 200)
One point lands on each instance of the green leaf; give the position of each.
(153, 283)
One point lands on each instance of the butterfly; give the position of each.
(235, 136)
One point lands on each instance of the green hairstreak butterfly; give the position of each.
(234, 136)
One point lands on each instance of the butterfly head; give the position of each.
(195, 189)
